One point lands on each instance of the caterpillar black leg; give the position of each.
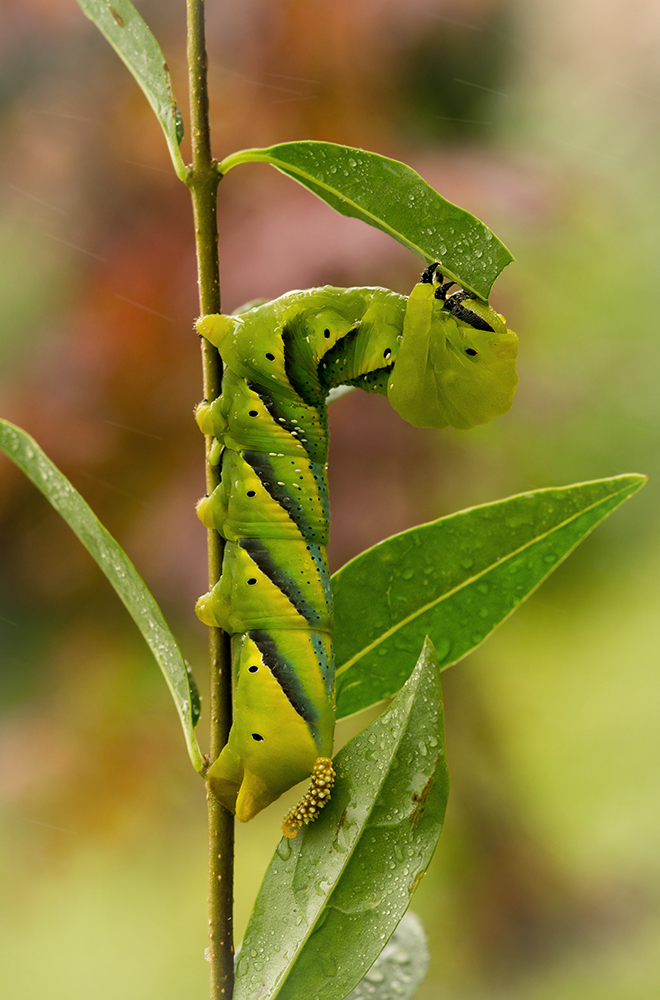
(429, 272)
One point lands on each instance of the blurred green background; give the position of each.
(543, 119)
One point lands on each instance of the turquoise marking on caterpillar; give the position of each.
(442, 360)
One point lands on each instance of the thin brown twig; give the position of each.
(202, 181)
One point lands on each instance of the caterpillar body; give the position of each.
(442, 360)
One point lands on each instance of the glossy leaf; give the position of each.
(454, 580)
(400, 967)
(133, 42)
(391, 196)
(332, 897)
(117, 567)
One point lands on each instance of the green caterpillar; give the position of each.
(442, 360)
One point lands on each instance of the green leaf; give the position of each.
(400, 967)
(391, 196)
(115, 564)
(136, 46)
(454, 580)
(332, 897)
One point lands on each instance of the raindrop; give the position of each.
(284, 848)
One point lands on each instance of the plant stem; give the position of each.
(203, 180)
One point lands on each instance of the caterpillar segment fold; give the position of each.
(443, 360)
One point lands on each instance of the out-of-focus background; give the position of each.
(543, 119)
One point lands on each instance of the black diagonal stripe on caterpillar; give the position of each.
(441, 362)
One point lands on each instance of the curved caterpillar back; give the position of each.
(441, 362)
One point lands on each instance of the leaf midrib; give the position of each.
(466, 583)
(111, 559)
(349, 854)
(289, 168)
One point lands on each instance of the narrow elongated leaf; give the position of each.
(454, 580)
(400, 967)
(391, 196)
(117, 567)
(332, 897)
(133, 42)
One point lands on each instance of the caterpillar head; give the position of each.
(456, 363)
